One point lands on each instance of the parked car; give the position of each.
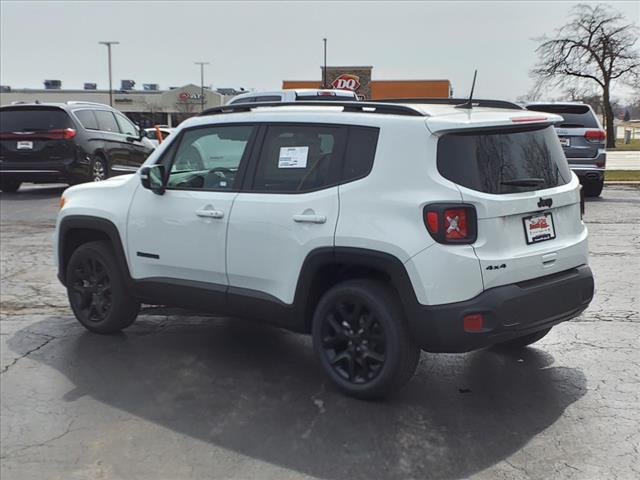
(379, 229)
(295, 95)
(152, 134)
(583, 140)
(71, 142)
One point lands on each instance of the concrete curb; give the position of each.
(621, 182)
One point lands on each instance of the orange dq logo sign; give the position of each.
(346, 82)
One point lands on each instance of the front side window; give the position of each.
(209, 158)
(106, 121)
(126, 127)
(504, 161)
(299, 158)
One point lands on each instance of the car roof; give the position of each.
(70, 105)
(438, 117)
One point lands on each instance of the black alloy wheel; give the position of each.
(353, 340)
(90, 287)
(98, 293)
(362, 339)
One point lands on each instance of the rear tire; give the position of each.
(522, 342)
(593, 188)
(9, 185)
(362, 339)
(97, 291)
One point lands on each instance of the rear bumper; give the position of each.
(591, 169)
(44, 172)
(509, 312)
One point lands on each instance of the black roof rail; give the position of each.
(347, 106)
(477, 102)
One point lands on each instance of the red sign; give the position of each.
(346, 82)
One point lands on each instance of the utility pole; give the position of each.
(202, 64)
(324, 70)
(108, 44)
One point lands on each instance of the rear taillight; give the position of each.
(595, 136)
(55, 134)
(451, 223)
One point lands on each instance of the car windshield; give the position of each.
(33, 119)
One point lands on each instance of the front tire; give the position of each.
(522, 342)
(362, 339)
(9, 185)
(96, 289)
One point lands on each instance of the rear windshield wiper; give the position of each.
(523, 182)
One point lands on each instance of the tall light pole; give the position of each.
(202, 64)
(108, 44)
(324, 70)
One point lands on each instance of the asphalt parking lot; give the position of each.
(181, 396)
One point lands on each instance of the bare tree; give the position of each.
(597, 45)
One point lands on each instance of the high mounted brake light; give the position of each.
(528, 119)
(451, 223)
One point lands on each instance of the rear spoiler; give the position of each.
(456, 101)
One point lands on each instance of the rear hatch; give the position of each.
(579, 131)
(35, 134)
(527, 202)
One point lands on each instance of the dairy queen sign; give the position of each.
(189, 97)
(346, 81)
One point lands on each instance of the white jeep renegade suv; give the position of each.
(381, 229)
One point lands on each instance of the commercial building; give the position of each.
(358, 79)
(144, 107)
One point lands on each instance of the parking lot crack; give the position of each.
(48, 339)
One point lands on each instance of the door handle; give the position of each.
(210, 213)
(309, 218)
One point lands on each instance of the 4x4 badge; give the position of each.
(545, 202)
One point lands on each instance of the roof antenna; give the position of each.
(468, 104)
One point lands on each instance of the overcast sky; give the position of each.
(259, 44)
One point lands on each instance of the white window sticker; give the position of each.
(293, 157)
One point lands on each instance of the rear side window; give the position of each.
(361, 149)
(106, 121)
(33, 119)
(299, 158)
(87, 119)
(504, 161)
(574, 116)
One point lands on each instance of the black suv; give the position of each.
(71, 142)
(583, 140)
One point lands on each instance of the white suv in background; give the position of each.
(295, 95)
(379, 229)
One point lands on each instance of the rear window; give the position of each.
(502, 161)
(33, 119)
(574, 116)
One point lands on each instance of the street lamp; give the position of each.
(202, 64)
(108, 44)
(324, 70)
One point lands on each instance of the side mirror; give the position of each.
(152, 178)
(142, 133)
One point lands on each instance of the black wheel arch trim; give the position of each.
(85, 223)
